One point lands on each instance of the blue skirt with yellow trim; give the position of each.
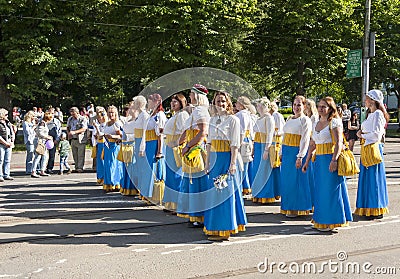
(113, 168)
(331, 200)
(173, 177)
(295, 186)
(225, 212)
(372, 194)
(99, 163)
(148, 168)
(129, 178)
(265, 187)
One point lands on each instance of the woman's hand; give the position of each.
(232, 168)
(185, 150)
(265, 155)
(333, 166)
(305, 167)
(298, 163)
(359, 133)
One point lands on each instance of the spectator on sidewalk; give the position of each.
(42, 135)
(7, 137)
(76, 128)
(59, 115)
(346, 114)
(54, 126)
(28, 128)
(63, 149)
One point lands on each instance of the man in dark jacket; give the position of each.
(54, 127)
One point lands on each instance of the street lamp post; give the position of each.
(365, 60)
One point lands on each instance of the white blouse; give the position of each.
(324, 136)
(175, 125)
(199, 115)
(279, 122)
(266, 124)
(112, 130)
(227, 129)
(373, 127)
(299, 126)
(157, 122)
(245, 121)
(129, 130)
(141, 123)
(101, 127)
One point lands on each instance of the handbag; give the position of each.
(347, 165)
(178, 155)
(177, 150)
(274, 150)
(94, 151)
(40, 148)
(158, 189)
(246, 151)
(193, 160)
(125, 153)
(370, 154)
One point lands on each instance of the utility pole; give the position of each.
(365, 60)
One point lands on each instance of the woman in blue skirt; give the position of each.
(112, 167)
(191, 202)
(372, 194)
(331, 201)
(173, 130)
(296, 189)
(265, 188)
(225, 215)
(128, 188)
(151, 148)
(98, 133)
(244, 106)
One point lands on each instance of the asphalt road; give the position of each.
(67, 227)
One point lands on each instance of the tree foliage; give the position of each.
(105, 51)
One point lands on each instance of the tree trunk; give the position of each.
(301, 79)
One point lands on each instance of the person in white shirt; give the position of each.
(295, 190)
(112, 167)
(173, 131)
(129, 177)
(265, 186)
(243, 105)
(372, 194)
(139, 131)
(226, 214)
(98, 142)
(331, 200)
(151, 148)
(190, 204)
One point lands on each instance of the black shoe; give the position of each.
(49, 172)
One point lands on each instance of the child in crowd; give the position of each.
(63, 149)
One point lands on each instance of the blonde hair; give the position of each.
(311, 108)
(112, 107)
(274, 106)
(245, 102)
(3, 113)
(29, 114)
(202, 100)
(140, 101)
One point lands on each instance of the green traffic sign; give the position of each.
(354, 63)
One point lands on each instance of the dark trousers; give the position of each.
(52, 155)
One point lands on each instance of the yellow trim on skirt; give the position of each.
(240, 228)
(171, 138)
(296, 212)
(324, 148)
(260, 137)
(328, 226)
(291, 140)
(266, 200)
(111, 188)
(220, 146)
(371, 211)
